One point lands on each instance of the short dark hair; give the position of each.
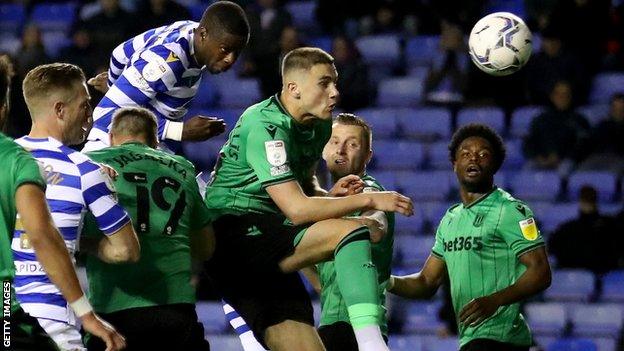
(482, 131)
(349, 119)
(305, 58)
(44, 78)
(136, 121)
(227, 17)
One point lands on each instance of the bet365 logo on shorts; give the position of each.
(529, 229)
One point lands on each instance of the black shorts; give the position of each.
(245, 268)
(25, 333)
(338, 336)
(491, 345)
(166, 327)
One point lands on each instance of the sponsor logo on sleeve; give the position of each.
(529, 229)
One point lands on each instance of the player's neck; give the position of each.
(40, 130)
(468, 197)
(292, 109)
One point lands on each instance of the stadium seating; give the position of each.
(240, 94)
(54, 42)
(546, 318)
(572, 344)
(379, 50)
(54, 17)
(594, 113)
(606, 344)
(303, 14)
(400, 155)
(383, 121)
(438, 155)
(613, 287)
(203, 154)
(422, 50)
(399, 92)
(492, 116)
(536, 185)
(406, 343)
(425, 123)
(386, 178)
(224, 342)
(413, 251)
(597, 320)
(207, 95)
(604, 86)
(426, 185)
(422, 317)
(515, 157)
(571, 285)
(210, 314)
(521, 119)
(433, 212)
(412, 225)
(441, 344)
(514, 6)
(324, 42)
(12, 17)
(604, 182)
(556, 214)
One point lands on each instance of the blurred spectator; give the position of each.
(572, 18)
(556, 136)
(267, 23)
(32, 52)
(156, 13)
(446, 80)
(589, 240)
(607, 140)
(81, 52)
(109, 27)
(382, 20)
(18, 122)
(553, 63)
(353, 84)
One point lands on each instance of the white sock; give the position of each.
(249, 342)
(369, 339)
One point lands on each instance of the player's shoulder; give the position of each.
(511, 205)
(371, 183)
(10, 148)
(266, 112)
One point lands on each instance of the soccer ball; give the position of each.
(500, 43)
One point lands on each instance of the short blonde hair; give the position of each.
(45, 79)
(136, 122)
(305, 58)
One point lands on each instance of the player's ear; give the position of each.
(59, 109)
(293, 89)
(110, 139)
(203, 32)
(369, 157)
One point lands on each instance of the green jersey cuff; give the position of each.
(529, 248)
(433, 252)
(274, 181)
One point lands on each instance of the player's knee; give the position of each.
(284, 335)
(344, 227)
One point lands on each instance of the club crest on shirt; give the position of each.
(154, 71)
(529, 229)
(478, 221)
(275, 152)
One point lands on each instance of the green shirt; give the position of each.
(161, 196)
(266, 147)
(480, 244)
(333, 307)
(18, 168)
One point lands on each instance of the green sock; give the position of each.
(357, 278)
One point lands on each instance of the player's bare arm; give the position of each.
(203, 243)
(535, 279)
(120, 247)
(199, 128)
(300, 208)
(421, 285)
(53, 255)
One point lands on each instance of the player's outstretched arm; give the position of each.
(300, 208)
(535, 279)
(54, 257)
(200, 128)
(120, 247)
(421, 285)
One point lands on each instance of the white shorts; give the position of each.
(66, 336)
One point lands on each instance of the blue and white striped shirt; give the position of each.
(155, 70)
(75, 185)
